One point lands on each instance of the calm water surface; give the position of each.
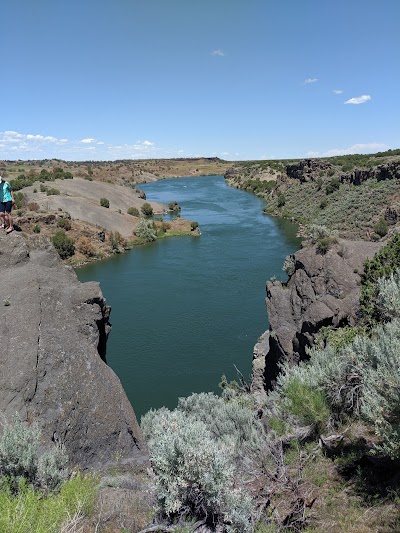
(185, 310)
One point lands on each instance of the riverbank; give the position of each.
(357, 195)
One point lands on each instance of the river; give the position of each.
(185, 310)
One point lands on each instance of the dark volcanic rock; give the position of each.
(323, 290)
(53, 346)
(307, 169)
(387, 171)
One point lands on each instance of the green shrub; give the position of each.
(52, 192)
(332, 186)
(281, 200)
(30, 511)
(145, 230)
(174, 206)
(323, 203)
(146, 209)
(305, 403)
(63, 244)
(194, 225)
(324, 244)
(43, 188)
(382, 265)
(134, 211)
(36, 228)
(104, 202)
(20, 199)
(381, 227)
(64, 223)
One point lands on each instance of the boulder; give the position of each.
(53, 333)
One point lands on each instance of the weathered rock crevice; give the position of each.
(323, 290)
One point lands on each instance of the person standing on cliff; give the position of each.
(6, 202)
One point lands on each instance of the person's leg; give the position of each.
(9, 217)
(2, 214)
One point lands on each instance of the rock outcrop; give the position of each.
(387, 171)
(323, 290)
(308, 169)
(53, 332)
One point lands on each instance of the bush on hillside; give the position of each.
(104, 202)
(20, 458)
(381, 227)
(20, 199)
(281, 200)
(134, 211)
(194, 474)
(64, 223)
(146, 209)
(382, 265)
(332, 186)
(63, 244)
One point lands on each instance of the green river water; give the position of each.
(185, 310)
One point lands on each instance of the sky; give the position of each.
(235, 79)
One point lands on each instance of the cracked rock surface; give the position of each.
(53, 332)
(322, 291)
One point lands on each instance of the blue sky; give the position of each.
(237, 79)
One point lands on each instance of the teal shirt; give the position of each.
(5, 192)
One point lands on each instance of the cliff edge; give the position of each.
(322, 290)
(53, 332)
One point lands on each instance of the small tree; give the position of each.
(381, 227)
(281, 200)
(104, 202)
(146, 209)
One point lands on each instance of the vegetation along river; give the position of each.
(185, 310)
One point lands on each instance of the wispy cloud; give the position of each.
(218, 52)
(147, 143)
(310, 80)
(360, 148)
(337, 91)
(359, 99)
(88, 140)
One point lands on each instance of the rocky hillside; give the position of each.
(53, 359)
(357, 195)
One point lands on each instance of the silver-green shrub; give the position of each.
(194, 473)
(20, 457)
(232, 421)
(388, 300)
(381, 404)
(289, 265)
(145, 230)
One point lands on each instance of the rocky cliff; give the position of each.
(322, 290)
(53, 332)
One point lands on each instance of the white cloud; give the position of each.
(218, 52)
(310, 80)
(359, 99)
(88, 141)
(361, 148)
(338, 91)
(148, 143)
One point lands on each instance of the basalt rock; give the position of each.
(387, 171)
(322, 291)
(53, 333)
(307, 169)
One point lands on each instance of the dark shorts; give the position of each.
(5, 207)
